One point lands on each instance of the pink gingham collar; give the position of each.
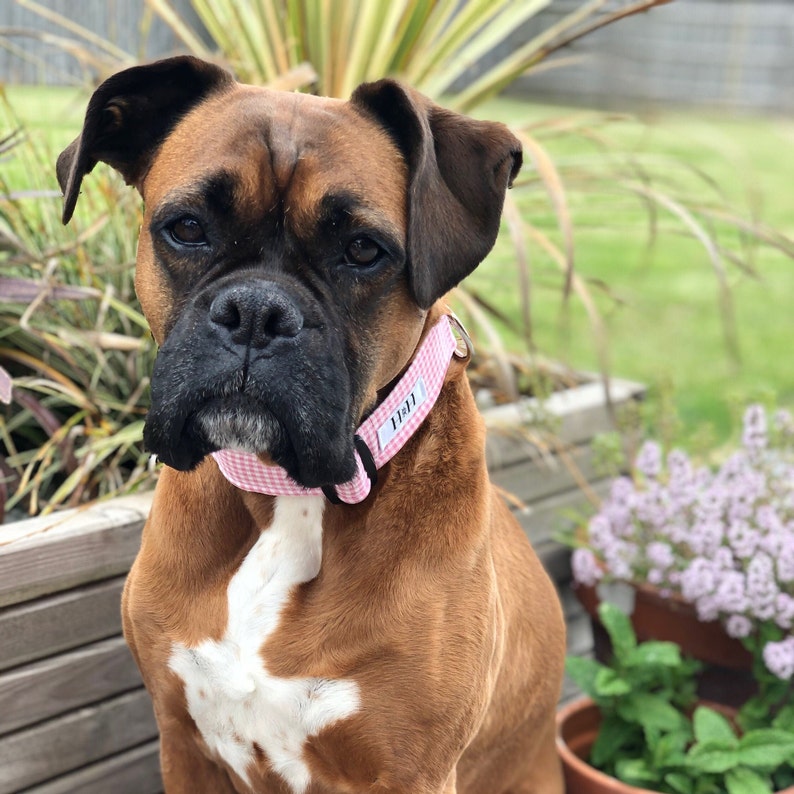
(380, 436)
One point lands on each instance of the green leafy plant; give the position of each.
(328, 48)
(72, 337)
(654, 736)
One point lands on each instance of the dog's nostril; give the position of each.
(224, 312)
(281, 321)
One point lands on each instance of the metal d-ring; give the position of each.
(463, 336)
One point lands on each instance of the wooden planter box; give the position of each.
(561, 478)
(74, 716)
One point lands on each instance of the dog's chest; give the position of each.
(240, 709)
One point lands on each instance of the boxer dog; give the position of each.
(329, 595)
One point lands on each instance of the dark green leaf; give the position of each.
(712, 757)
(766, 748)
(670, 750)
(785, 719)
(618, 626)
(663, 654)
(680, 783)
(745, 781)
(583, 672)
(636, 772)
(613, 736)
(609, 684)
(651, 711)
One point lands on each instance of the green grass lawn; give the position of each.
(659, 297)
(663, 312)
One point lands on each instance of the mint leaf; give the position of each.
(653, 712)
(618, 626)
(613, 735)
(766, 748)
(653, 653)
(680, 783)
(712, 757)
(583, 672)
(745, 781)
(609, 684)
(785, 719)
(636, 772)
(711, 725)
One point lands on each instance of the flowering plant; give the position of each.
(721, 539)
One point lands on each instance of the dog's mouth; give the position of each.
(237, 422)
(301, 438)
(292, 409)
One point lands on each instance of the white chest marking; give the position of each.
(232, 698)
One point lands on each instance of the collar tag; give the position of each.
(401, 416)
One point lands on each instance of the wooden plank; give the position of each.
(136, 771)
(539, 477)
(47, 626)
(69, 742)
(580, 637)
(51, 553)
(576, 415)
(62, 683)
(543, 519)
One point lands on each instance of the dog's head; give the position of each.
(290, 250)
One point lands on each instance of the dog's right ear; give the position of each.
(130, 115)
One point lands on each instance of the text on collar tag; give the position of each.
(402, 414)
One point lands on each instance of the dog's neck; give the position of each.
(378, 438)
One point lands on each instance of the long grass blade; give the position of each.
(179, 27)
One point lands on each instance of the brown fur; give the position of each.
(429, 597)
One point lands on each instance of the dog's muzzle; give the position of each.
(254, 365)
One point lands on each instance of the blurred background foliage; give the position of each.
(650, 252)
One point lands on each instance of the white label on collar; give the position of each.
(402, 414)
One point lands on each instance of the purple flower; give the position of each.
(660, 555)
(649, 460)
(698, 580)
(731, 594)
(784, 604)
(744, 539)
(779, 658)
(761, 586)
(738, 626)
(754, 437)
(706, 537)
(585, 567)
(723, 539)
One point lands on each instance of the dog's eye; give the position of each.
(187, 231)
(362, 251)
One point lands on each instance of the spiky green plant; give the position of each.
(73, 338)
(81, 362)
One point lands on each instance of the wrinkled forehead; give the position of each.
(263, 147)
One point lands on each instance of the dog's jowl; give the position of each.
(329, 595)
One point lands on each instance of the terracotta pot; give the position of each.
(577, 727)
(728, 677)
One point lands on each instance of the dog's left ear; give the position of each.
(459, 169)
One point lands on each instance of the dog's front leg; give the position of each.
(186, 771)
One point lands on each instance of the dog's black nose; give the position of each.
(255, 314)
